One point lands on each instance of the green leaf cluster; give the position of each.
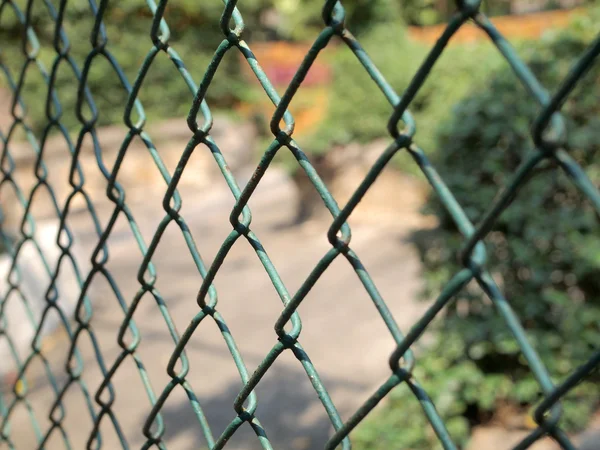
(543, 250)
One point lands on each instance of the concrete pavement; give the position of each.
(342, 332)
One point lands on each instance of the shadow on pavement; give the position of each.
(288, 409)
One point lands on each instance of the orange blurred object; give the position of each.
(280, 61)
(516, 27)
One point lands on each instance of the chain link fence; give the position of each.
(548, 133)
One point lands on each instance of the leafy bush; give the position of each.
(543, 250)
(359, 112)
(430, 12)
(195, 34)
(424, 12)
(301, 19)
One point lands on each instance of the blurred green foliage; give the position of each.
(195, 35)
(425, 12)
(543, 250)
(358, 110)
(302, 20)
(431, 12)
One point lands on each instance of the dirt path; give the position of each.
(342, 331)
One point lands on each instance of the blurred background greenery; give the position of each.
(473, 120)
(543, 250)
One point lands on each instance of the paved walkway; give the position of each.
(342, 331)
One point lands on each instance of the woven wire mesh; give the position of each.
(548, 133)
